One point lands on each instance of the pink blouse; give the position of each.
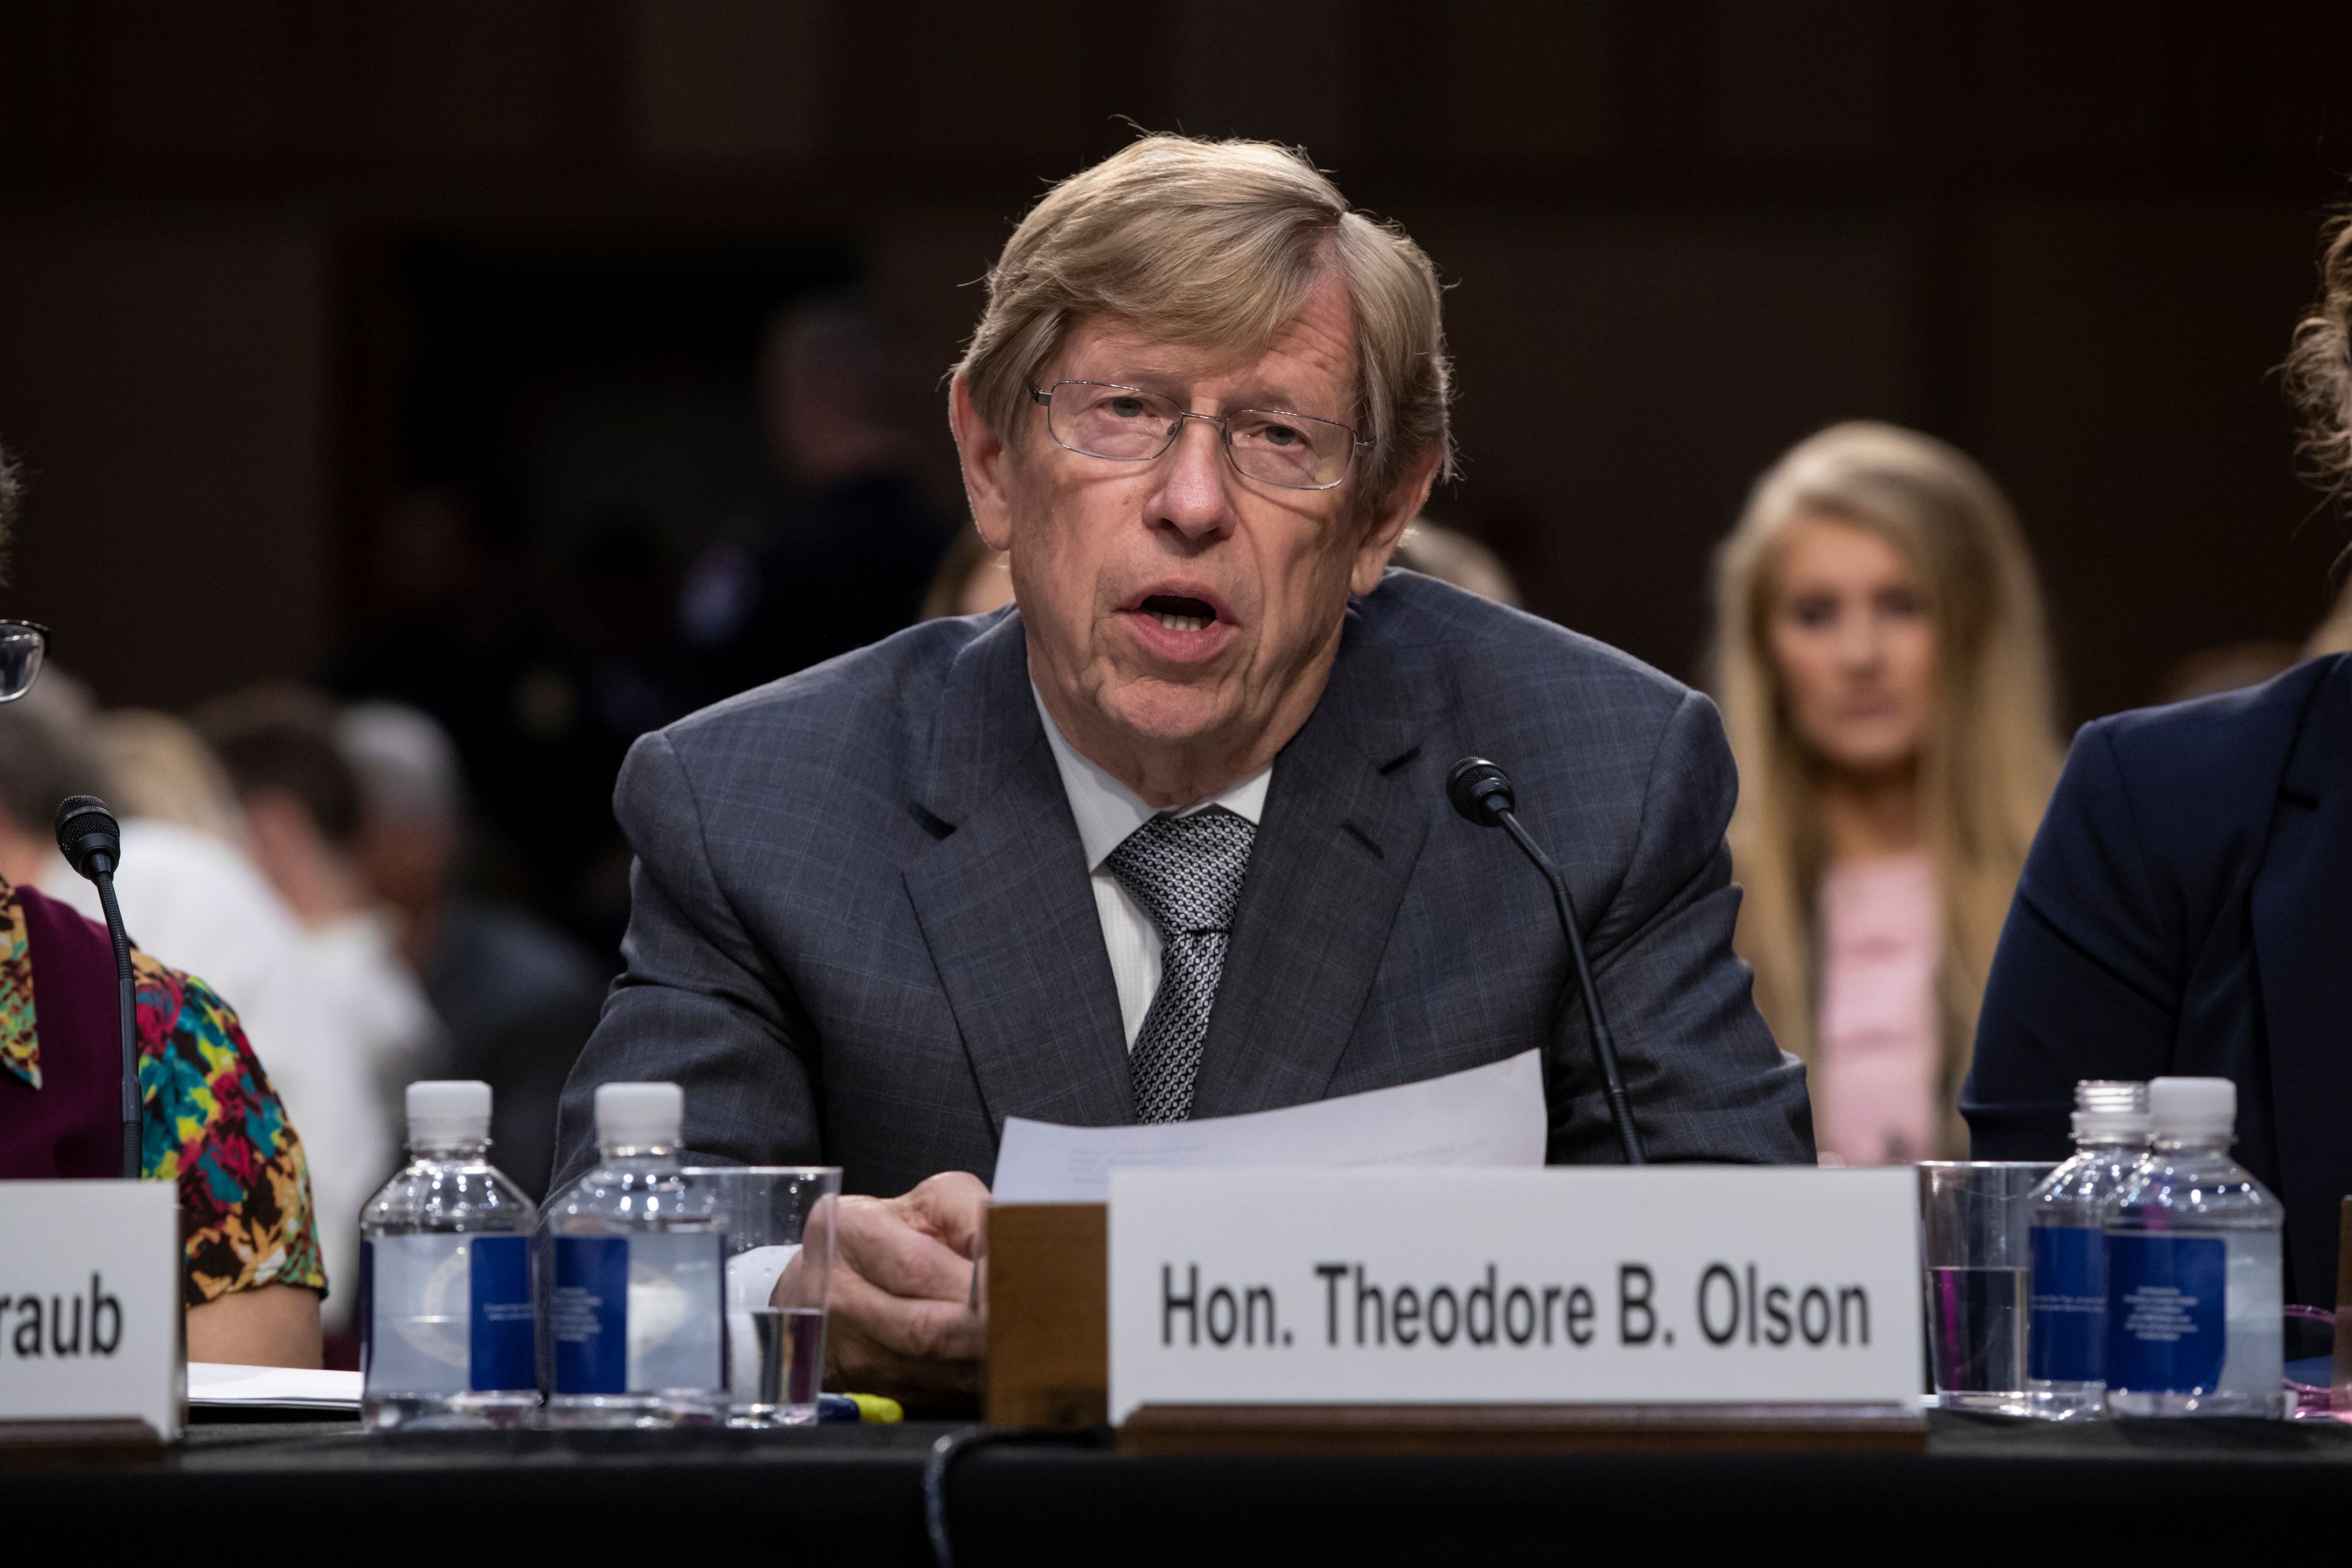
(1875, 1086)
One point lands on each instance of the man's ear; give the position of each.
(1388, 522)
(987, 462)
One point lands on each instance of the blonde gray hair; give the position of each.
(1991, 756)
(1217, 245)
(158, 767)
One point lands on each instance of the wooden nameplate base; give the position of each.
(1048, 1315)
(78, 1445)
(1484, 1429)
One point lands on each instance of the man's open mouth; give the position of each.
(1179, 613)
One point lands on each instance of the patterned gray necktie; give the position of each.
(1186, 872)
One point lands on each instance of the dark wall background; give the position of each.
(265, 265)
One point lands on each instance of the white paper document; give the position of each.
(1492, 1115)
(284, 1387)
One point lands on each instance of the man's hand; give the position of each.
(904, 1316)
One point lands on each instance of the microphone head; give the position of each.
(1479, 790)
(87, 835)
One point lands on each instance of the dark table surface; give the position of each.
(326, 1492)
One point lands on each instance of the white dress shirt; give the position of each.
(1107, 811)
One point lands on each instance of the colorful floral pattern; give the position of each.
(211, 1123)
(19, 1052)
(214, 1124)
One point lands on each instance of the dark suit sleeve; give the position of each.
(699, 1002)
(1705, 1077)
(2082, 984)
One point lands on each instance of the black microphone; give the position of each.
(1481, 792)
(91, 842)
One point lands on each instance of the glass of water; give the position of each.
(1975, 1245)
(779, 1225)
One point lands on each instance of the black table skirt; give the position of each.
(1988, 1492)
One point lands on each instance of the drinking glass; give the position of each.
(1975, 1245)
(779, 1225)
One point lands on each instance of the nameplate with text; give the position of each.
(89, 1303)
(1691, 1284)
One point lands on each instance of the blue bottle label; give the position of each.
(2066, 1341)
(2167, 1323)
(639, 1313)
(502, 1352)
(591, 1314)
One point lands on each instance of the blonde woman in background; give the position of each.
(1880, 660)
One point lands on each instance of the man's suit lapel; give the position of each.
(1336, 847)
(1006, 905)
(2302, 909)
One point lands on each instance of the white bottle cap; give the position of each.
(639, 1115)
(2193, 1107)
(448, 1111)
(2111, 1110)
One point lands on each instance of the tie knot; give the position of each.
(1186, 871)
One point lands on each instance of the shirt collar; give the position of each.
(1107, 811)
(20, 1047)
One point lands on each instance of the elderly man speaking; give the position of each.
(1169, 839)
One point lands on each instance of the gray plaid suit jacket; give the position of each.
(863, 932)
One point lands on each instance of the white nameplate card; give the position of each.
(1692, 1284)
(89, 1303)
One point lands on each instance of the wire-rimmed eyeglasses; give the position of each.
(23, 646)
(1128, 424)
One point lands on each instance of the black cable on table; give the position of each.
(964, 1440)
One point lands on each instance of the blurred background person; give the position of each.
(1879, 658)
(1452, 556)
(972, 579)
(160, 771)
(516, 996)
(465, 634)
(45, 756)
(845, 558)
(189, 889)
(2187, 906)
(2233, 666)
(615, 607)
(371, 1029)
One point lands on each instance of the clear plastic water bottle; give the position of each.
(2194, 1284)
(635, 1274)
(444, 1300)
(2066, 1340)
